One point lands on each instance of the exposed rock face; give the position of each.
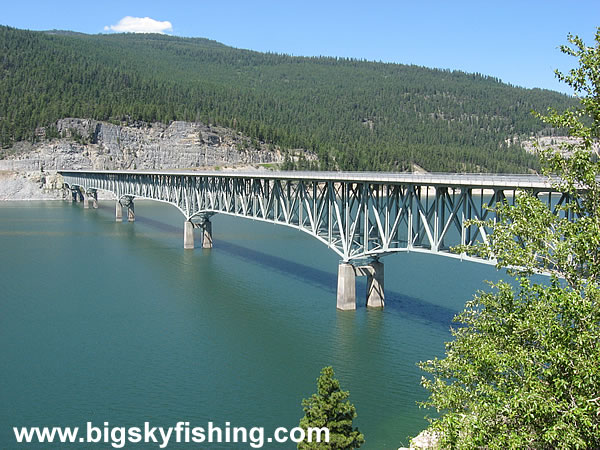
(554, 143)
(89, 144)
(30, 186)
(426, 440)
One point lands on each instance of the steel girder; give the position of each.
(356, 219)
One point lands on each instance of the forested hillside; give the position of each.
(355, 115)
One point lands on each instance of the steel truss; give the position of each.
(355, 216)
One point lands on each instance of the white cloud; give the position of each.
(130, 24)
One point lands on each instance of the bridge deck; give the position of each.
(480, 180)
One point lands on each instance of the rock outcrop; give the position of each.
(89, 144)
(426, 440)
(34, 185)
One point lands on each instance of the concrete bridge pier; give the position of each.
(346, 292)
(375, 284)
(188, 233)
(86, 198)
(126, 201)
(91, 196)
(130, 212)
(346, 289)
(118, 211)
(207, 234)
(67, 193)
(76, 195)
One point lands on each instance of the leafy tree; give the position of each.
(329, 408)
(523, 370)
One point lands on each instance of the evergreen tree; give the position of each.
(330, 408)
(355, 115)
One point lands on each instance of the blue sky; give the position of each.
(516, 41)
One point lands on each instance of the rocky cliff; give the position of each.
(27, 173)
(89, 144)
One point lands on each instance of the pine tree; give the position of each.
(356, 115)
(329, 408)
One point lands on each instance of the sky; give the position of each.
(516, 41)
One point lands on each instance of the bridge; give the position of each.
(361, 216)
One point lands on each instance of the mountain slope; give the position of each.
(355, 115)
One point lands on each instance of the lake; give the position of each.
(114, 322)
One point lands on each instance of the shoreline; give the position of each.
(30, 186)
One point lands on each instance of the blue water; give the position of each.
(115, 322)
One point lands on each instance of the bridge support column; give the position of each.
(86, 199)
(346, 292)
(125, 201)
(375, 285)
(207, 234)
(130, 212)
(93, 196)
(188, 232)
(188, 235)
(346, 289)
(119, 211)
(67, 193)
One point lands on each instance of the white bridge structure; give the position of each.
(362, 216)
